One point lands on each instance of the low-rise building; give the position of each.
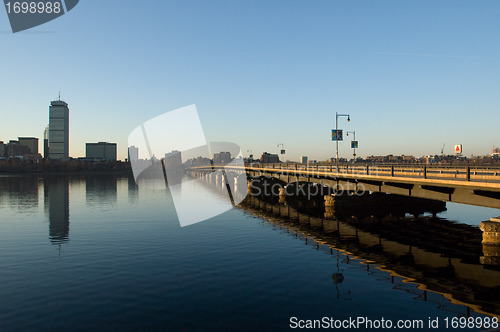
(268, 158)
(30, 142)
(2, 149)
(173, 160)
(222, 158)
(15, 149)
(101, 151)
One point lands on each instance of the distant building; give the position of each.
(391, 158)
(2, 149)
(58, 130)
(496, 152)
(46, 143)
(268, 158)
(133, 153)
(173, 160)
(303, 160)
(408, 158)
(100, 151)
(30, 142)
(222, 158)
(198, 161)
(14, 149)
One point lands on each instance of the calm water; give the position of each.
(97, 253)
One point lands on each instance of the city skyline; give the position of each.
(411, 79)
(59, 111)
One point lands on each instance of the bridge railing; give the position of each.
(465, 173)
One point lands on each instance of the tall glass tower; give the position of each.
(58, 130)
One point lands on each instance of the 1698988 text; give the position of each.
(33, 7)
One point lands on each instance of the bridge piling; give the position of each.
(491, 241)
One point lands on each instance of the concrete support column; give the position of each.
(282, 196)
(491, 241)
(249, 187)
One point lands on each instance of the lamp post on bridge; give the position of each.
(354, 144)
(336, 134)
(282, 150)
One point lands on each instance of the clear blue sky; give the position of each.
(412, 74)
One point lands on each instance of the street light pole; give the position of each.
(354, 146)
(282, 148)
(337, 140)
(336, 135)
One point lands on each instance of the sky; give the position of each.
(412, 75)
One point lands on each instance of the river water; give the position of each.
(94, 252)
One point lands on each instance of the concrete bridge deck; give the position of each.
(468, 185)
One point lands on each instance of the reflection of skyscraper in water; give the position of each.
(100, 190)
(133, 190)
(56, 190)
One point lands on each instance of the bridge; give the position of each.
(461, 184)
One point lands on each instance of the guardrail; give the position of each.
(465, 173)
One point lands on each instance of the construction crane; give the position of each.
(442, 150)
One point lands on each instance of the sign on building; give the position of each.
(458, 149)
(337, 135)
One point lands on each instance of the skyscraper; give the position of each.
(58, 130)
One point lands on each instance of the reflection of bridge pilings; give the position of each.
(440, 255)
(491, 241)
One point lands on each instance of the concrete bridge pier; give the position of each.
(491, 241)
(282, 196)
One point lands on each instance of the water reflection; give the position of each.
(19, 192)
(439, 255)
(101, 190)
(56, 191)
(133, 190)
